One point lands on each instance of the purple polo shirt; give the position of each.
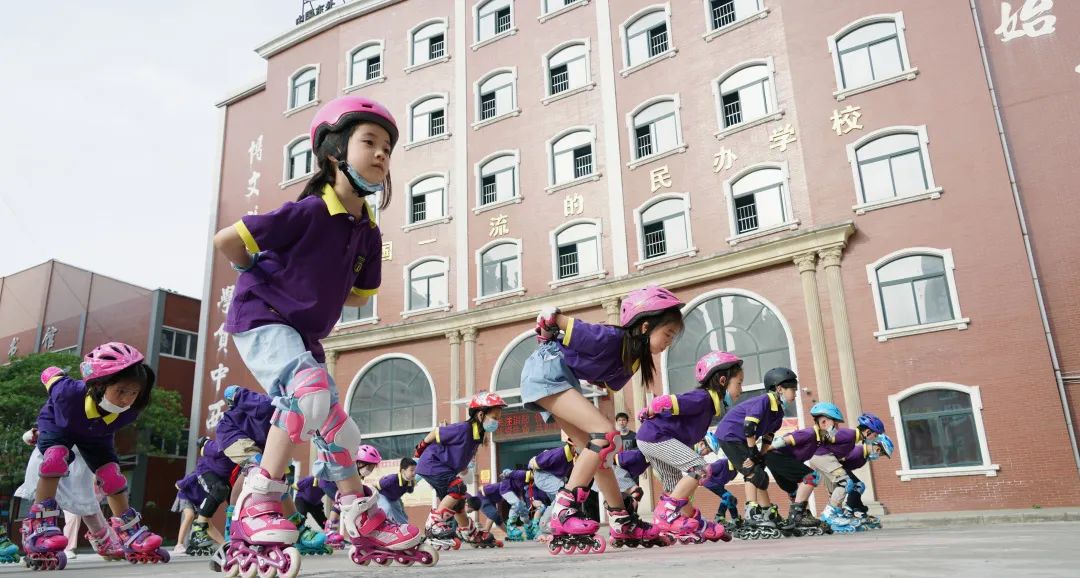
(689, 418)
(844, 440)
(214, 461)
(594, 353)
(188, 488)
(455, 446)
(313, 254)
(307, 491)
(249, 418)
(72, 411)
(519, 483)
(764, 411)
(856, 458)
(556, 461)
(720, 473)
(393, 486)
(490, 494)
(806, 443)
(633, 461)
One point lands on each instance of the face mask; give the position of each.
(783, 402)
(359, 183)
(490, 425)
(727, 399)
(624, 428)
(365, 470)
(111, 407)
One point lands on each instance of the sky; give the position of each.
(110, 134)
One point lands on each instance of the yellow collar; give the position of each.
(93, 413)
(476, 431)
(334, 206)
(569, 452)
(773, 406)
(715, 401)
(402, 481)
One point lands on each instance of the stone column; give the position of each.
(807, 271)
(469, 335)
(611, 308)
(454, 337)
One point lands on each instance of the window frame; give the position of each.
(550, 147)
(413, 64)
(624, 38)
(478, 177)
(286, 178)
(407, 275)
(445, 217)
(907, 72)
(354, 385)
(193, 344)
(479, 259)
(545, 65)
(712, 32)
(350, 80)
(639, 225)
(776, 112)
(290, 103)
(933, 191)
(553, 241)
(513, 29)
(987, 468)
(374, 319)
(958, 321)
(790, 222)
(515, 108)
(631, 130)
(446, 119)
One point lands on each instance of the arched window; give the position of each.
(891, 164)
(568, 68)
(663, 227)
(646, 36)
(493, 18)
(302, 86)
(915, 291)
(724, 13)
(299, 160)
(392, 403)
(508, 374)
(427, 118)
(496, 95)
(427, 199)
(655, 128)
(577, 250)
(365, 63)
(500, 268)
(498, 178)
(758, 200)
(427, 285)
(745, 95)
(571, 156)
(428, 42)
(870, 50)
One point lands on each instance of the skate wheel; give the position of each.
(250, 571)
(231, 571)
(428, 556)
(267, 571)
(554, 549)
(404, 560)
(569, 549)
(61, 561)
(599, 546)
(381, 561)
(164, 555)
(457, 544)
(290, 563)
(584, 549)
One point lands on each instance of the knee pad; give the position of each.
(54, 462)
(608, 449)
(110, 480)
(757, 477)
(812, 479)
(336, 443)
(457, 489)
(306, 407)
(699, 473)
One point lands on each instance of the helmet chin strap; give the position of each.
(360, 186)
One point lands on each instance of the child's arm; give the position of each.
(229, 243)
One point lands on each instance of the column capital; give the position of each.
(331, 356)
(805, 262)
(469, 334)
(611, 306)
(831, 257)
(454, 337)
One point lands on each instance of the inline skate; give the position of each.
(260, 537)
(571, 530)
(626, 529)
(141, 546)
(756, 525)
(42, 539)
(375, 538)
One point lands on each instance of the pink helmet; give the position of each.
(714, 361)
(644, 302)
(486, 400)
(368, 454)
(346, 109)
(110, 358)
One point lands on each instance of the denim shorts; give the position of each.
(273, 354)
(545, 374)
(548, 483)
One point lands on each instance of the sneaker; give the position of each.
(70, 554)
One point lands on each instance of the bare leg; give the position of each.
(118, 503)
(578, 417)
(215, 534)
(186, 517)
(46, 488)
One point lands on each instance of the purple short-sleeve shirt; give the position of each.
(249, 418)
(763, 410)
(393, 486)
(844, 440)
(313, 254)
(556, 461)
(214, 461)
(689, 418)
(455, 446)
(490, 493)
(594, 353)
(633, 461)
(720, 473)
(807, 441)
(72, 411)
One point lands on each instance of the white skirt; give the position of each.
(78, 492)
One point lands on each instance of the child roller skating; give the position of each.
(484, 538)
(827, 461)
(116, 386)
(571, 350)
(854, 507)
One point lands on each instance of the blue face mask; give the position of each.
(727, 399)
(783, 402)
(363, 186)
(490, 425)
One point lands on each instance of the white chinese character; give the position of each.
(13, 348)
(255, 151)
(226, 298)
(499, 226)
(218, 375)
(388, 251)
(253, 185)
(48, 338)
(254, 211)
(722, 160)
(847, 120)
(215, 413)
(222, 339)
(782, 137)
(573, 205)
(660, 178)
(1032, 26)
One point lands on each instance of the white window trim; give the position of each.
(445, 96)
(285, 179)
(431, 383)
(545, 66)
(446, 196)
(958, 321)
(373, 320)
(479, 259)
(907, 69)
(410, 42)
(639, 224)
(406, 274)
(711, 33)
(988, 468)
(478, 180)
(545, 16)
(190, 335)
(549, 146)
(351, 83)
(515, 109)
(427, 141)
(933, 192)
(365, 84)
(632, 139)
(477, 42)
(721, 130)
(592, 177)
(627, 68)
(291, 107)
(790, 222)
(554, 246)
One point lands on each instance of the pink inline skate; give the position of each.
(334, 539)
(668, 519)
(571, 530)
(139, 543)
(107, 544)
(376, 539)
(710, 531)
(260, 537)
(42, 539)
(629, 530)
(439, 529)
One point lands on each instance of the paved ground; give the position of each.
(1014, 550)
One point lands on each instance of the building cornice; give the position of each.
(242, 94)
(320, 24)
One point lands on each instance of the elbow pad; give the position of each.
(749, 429)
(662, 403)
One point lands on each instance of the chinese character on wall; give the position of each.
(660, 177)
(218, 375)
(1027, 19)
(846, 120)
(782, 137)
(723, 160)
(573, 205)
(499, 226)
(47, 340)
(215, 412)
(226, 298)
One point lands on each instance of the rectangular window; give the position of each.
(560, 79)
(419, 208)
(723, 13)
(583, 161)
(487, 106)
(438, 122)
(177, 343)
(374, 68)
(359, 313)
(644, 141)
(502, 20)
(436, 46)
(655, 240)
(568, 261)
(745, 214)
(658, 43)
(488, 190)
(732, 109)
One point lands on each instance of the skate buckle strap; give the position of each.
(47, 514)
(134, 537)
(262, 508)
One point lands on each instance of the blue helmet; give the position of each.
(230, 395)
(886, 444)
(713, 442)
(872, 423)
(826, 409)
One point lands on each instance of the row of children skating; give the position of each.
(294, 278)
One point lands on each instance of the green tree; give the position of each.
(21, 398)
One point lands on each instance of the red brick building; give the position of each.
(60, 308)
(831, 187)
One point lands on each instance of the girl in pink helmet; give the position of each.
(572, 350)
(670, 426)
(86, 414)
(294, 280)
